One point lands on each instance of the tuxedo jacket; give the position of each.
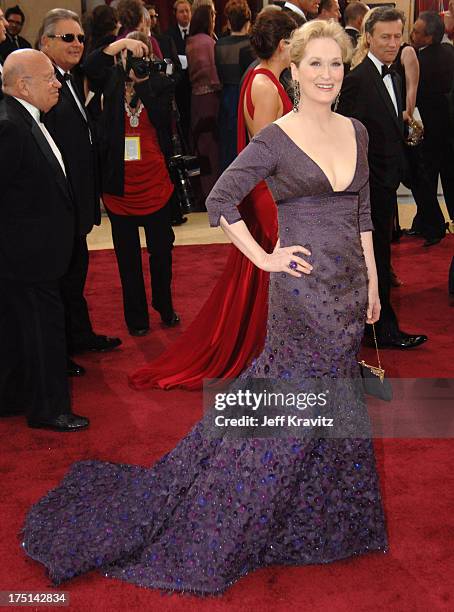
(36, 211)
(8, 45)
(436, 80)
(180, 42)
(354, 35)
(72, 133)
(296, 16)
(364, 96)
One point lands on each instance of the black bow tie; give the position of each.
(385, 70)
(67, 76)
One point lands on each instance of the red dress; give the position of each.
(233, 318)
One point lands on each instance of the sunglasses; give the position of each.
(69, 38)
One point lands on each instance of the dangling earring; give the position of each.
(296, 95)
(336, 102)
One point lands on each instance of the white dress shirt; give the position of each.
(295, 9)
(387, 80)
(34, 112)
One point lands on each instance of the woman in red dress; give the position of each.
(230, 329)
(135, 133)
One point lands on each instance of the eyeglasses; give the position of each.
(69, 38)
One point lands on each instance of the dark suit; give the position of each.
(36, 239)
(436, 80)
(1, 82)
(354, 35)
(11, 44)
(72, 133)
(296, 16)
(183, 88)
(365, 97)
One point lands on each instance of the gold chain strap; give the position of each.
(378, 371)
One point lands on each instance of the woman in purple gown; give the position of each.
(220, 505)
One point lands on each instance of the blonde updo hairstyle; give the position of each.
(315, 29)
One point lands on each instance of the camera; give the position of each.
(143, 67)
(181, 168)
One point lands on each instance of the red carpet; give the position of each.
(127, 426)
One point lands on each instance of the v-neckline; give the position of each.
(322, 172)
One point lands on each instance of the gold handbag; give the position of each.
(373, 377)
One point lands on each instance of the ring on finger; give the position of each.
(293, 265)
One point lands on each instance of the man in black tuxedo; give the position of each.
(62, 41)
(178, 33)
(436, 80)
(3, 23)
(15, 22)
(353, 18)
(371, 94)
(36, 239)
(300, 10)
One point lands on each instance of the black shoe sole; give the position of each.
(54, 428)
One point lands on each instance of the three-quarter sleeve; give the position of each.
(255, 163)
(365, 220)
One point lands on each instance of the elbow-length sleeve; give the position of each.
(365, 220)
(255, 163)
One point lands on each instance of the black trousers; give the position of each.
(159, 237)
(33, 378)
(72, 285)
(437, 161)
(383, 205)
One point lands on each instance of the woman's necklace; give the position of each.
(133, 113)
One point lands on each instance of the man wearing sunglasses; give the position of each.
(63, 42)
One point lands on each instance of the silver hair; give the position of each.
(54, 16)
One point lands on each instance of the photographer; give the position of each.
(135, 137)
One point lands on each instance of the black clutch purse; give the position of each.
(373, 378)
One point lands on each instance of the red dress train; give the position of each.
(230, 329)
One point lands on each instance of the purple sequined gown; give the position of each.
(212, 510)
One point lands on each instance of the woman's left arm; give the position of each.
(373, 301)
(410, 63)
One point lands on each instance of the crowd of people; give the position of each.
(131, 96)
(301, 128)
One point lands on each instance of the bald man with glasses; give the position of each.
(37, 219)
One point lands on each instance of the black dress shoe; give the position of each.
(63, 422)
(403, 341)
(73, 368)
(178, 222)
(138, 331)
(97, 344)
(171, 321)
(431, 241)
(411, 232)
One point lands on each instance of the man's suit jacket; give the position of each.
(296, 16)
(9, 45)
(36, 210)
(1, 82)
(71, 132)
(436, 81)
(354, 35)
(365, 97)
(180, 42)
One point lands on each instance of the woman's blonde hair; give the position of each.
(362, 48)
(318, 28)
